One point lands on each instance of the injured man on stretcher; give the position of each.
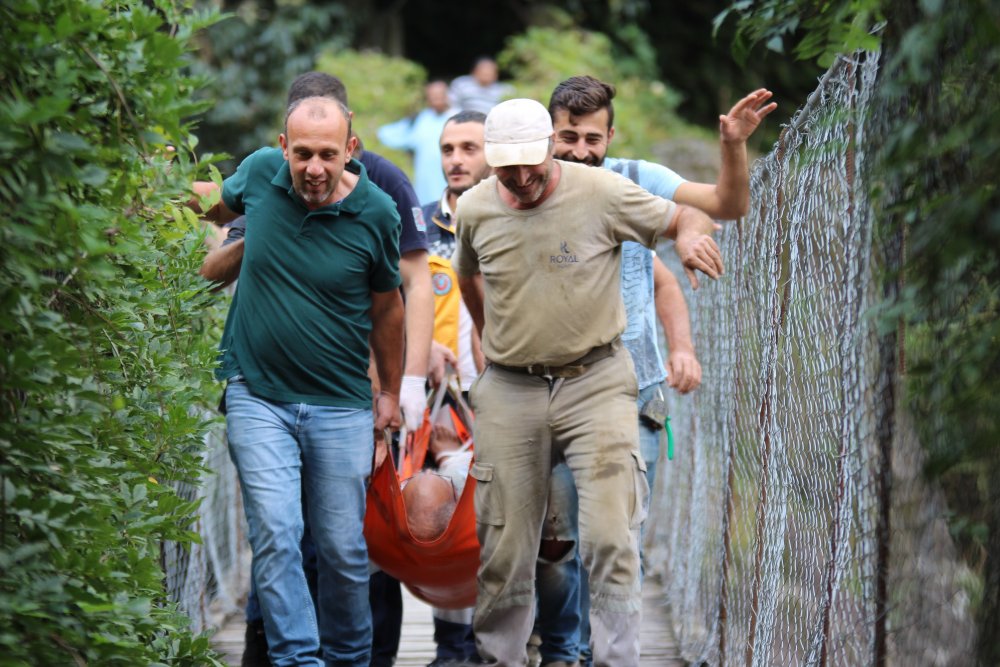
(430, 496)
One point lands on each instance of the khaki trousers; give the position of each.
(523, 423)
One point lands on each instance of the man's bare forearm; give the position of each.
(689, 221)
(387, 339)
(419, 313)
(477, 351)
(222, 265)
(671, 308)
(733, 189)
(672, 311)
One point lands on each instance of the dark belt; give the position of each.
(571, 370)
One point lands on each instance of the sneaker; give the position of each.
(534, 655)
(255, 646)
(561, 663)
(450, 662)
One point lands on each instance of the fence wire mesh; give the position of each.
(208, 580)
(773, 529)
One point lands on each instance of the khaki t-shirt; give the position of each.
(551, 274)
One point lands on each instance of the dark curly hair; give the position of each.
(581, 95)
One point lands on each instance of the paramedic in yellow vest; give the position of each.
(464, 164)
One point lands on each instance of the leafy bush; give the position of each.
(106, 343)
(251, 57)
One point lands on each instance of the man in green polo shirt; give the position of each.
(319, 282)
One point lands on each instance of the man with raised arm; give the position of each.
(583, 119)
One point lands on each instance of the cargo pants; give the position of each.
(523, 424)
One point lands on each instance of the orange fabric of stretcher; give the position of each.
(415, 453)
(441, 572)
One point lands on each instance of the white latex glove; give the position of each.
(412, 401)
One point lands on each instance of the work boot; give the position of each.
(255, 646)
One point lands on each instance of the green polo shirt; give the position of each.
(298, 326)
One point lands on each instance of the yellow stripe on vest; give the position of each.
(447, 300)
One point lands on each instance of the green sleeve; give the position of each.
(234, 186)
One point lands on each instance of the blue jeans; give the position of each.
(253, 612)
(281, 450)
(563, 618)
(455, 641)
(384, 595)
(559, 620)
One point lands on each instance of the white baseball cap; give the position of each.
(517, 132)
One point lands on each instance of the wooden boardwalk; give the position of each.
(417, 645)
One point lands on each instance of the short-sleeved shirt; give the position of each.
(419, 134)
(469, 95)
(551, 274)
(391, 180)
(394, 183)
(298, 326)
(640, 336)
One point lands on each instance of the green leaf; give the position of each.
(93, 175)
(65, 142)
(64, 26)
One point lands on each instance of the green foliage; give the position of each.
(106, 345)
(937, 183)
(251, 58)
(933, 180)
(381, 89)
(819, 29)
(617, 21)
(541, 57)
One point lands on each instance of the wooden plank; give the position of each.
(655, 637)
(417, 641)
(416, 644)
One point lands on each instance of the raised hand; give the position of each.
(745, 116)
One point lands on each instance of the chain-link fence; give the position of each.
(208, 579)
(794, 525)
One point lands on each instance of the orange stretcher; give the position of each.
(441, 572)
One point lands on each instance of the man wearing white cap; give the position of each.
(538, 260)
